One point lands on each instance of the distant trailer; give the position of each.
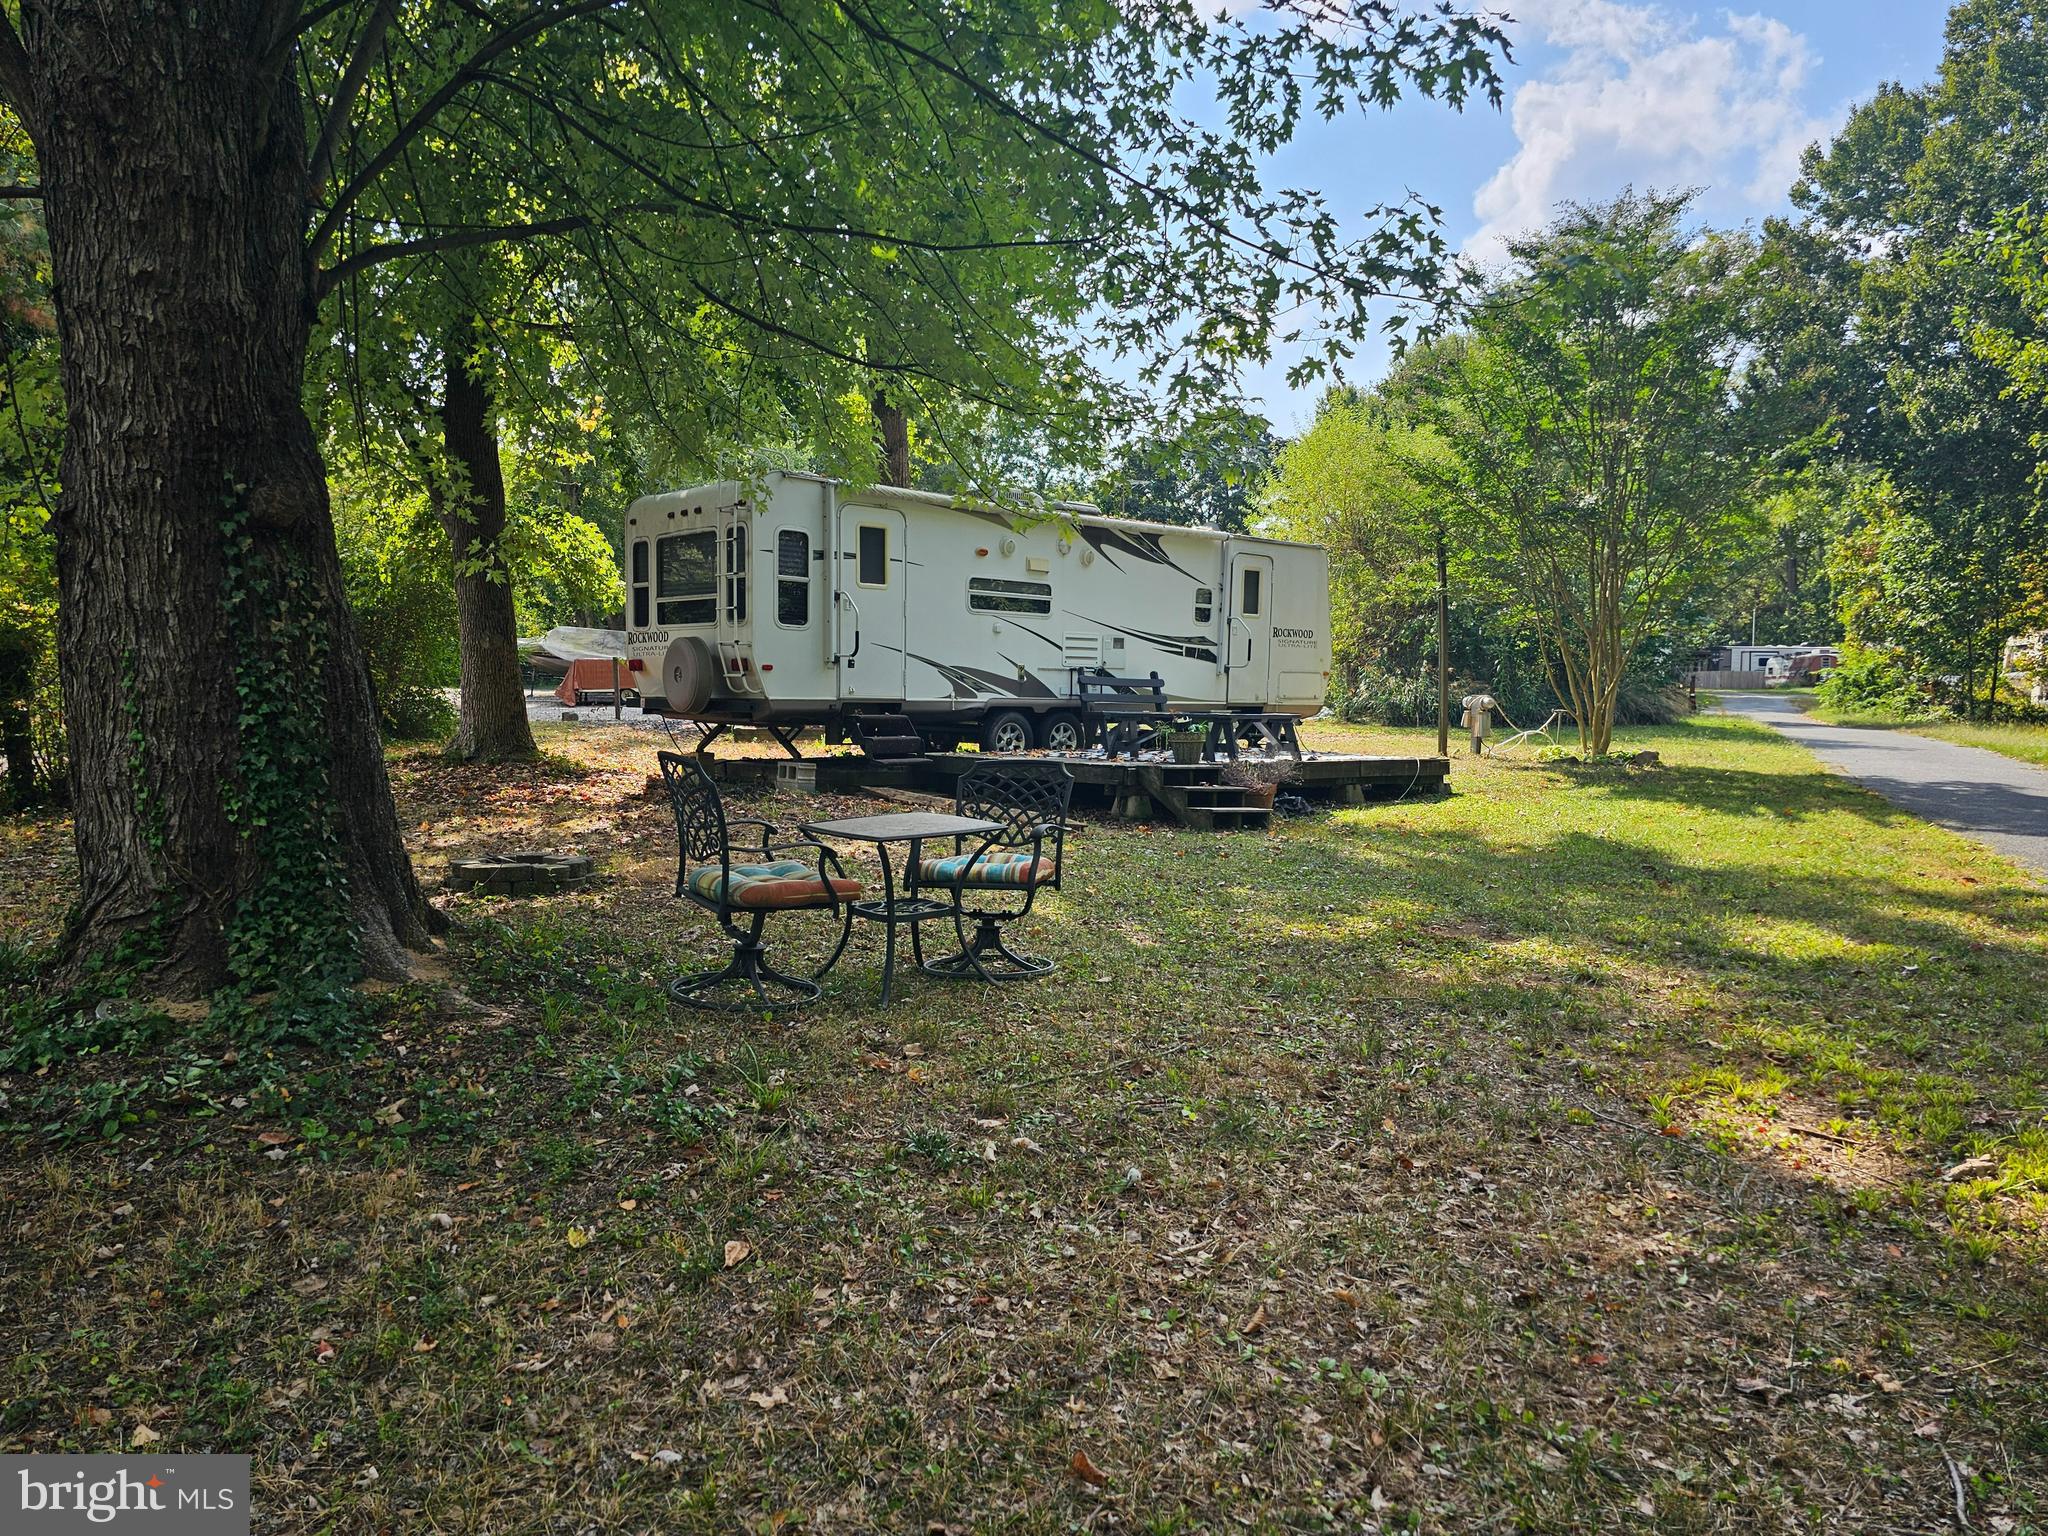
(797, 601)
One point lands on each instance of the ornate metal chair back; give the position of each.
(1022, 798)
(700, 814)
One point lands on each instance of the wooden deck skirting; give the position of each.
(1188, 793)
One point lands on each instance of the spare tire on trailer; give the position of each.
(689, 675)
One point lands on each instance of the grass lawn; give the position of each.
(1565, 1154)
(2028, 743)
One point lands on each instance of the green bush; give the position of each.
(394, 562)
(1390, 698)
(1870, 682)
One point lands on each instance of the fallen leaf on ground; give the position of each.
(144, 1435)
(773, 1398)
(1255, 1322)
(578, 1238)
(737, 1252)
(1087, 1471)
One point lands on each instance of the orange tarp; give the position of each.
(591, 677)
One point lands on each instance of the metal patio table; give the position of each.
(894, 911)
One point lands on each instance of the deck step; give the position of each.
(887, 737)
(1205, 804)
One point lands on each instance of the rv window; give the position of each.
(686, 578)
(992, 594)
(1205, 609)
(736, 573)
(640, 584)
(640, 595)
(1251, 592)
(872, 568)
(793, 577)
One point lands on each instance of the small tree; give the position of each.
(1371, 484)
(1598, 432)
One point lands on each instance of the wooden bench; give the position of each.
(1147, 692)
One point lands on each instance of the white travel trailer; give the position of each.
(796, 601)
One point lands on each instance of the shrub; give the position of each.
(1870, 682)
(394, 561)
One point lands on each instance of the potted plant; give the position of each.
(1185, 746)
(1259, 777)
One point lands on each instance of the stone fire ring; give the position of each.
(526, 873)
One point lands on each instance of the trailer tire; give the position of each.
(1062, 732)
(690, 672)
(1007, 730)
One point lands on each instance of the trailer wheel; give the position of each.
(1062, 733)
(1007, 730)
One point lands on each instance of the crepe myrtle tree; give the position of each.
(1599, 436)
(919, 195)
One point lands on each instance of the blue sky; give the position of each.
(1607, 93)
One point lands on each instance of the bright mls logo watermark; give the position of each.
(145, 1495)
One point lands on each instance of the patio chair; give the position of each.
(1027, 855)
(743, 893)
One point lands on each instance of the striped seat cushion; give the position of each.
(999, 866)
(786, 883)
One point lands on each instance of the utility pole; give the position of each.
(1443, 645)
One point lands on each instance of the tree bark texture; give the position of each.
(492, 726)
(173, 161)
(892, 443)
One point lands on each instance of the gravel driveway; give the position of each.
(1995, 799)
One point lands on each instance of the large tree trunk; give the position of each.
(492, 726)
(234, 820)
(892, 443)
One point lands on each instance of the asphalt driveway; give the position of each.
(1995, 799)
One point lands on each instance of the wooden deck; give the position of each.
(1191, 793)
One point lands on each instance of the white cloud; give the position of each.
(1645, 96)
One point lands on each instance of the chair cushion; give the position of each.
(999, 866)
(786, 883)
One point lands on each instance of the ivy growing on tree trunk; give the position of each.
(910, 197)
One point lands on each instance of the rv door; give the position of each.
(869, 596)
(1248, 629)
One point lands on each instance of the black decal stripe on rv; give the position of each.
(1194, 647)
(963, 680)
(985, 515)
(961, 684)
(1034, 634)
(1026, 685)
(1146, 546)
